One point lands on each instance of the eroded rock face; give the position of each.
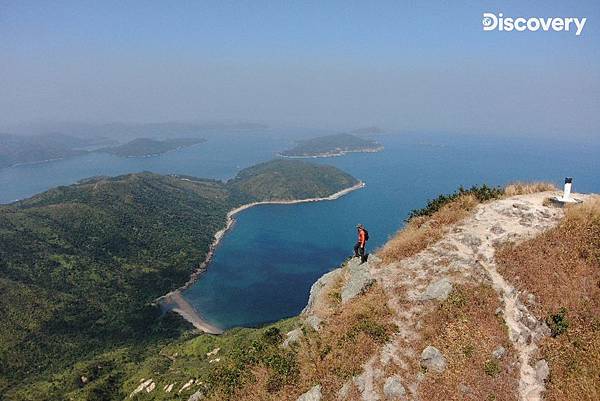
(393, 389)
(314, 394)
(432, 359)
(317, 288)
(359, 280)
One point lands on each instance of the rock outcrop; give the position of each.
(433, 360)
(359, 279)
(314, 394)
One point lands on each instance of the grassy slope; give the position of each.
(562, 269)
(80, 266)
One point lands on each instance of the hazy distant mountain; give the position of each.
(18, 149)
(122, 130)
(367, 131)
(140, 147)
(331, 145)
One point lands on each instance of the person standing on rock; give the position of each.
(359, 248)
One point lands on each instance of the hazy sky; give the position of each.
(402, 65)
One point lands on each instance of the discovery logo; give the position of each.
(492, 21)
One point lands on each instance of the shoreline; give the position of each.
(175, 302)
(336, 154)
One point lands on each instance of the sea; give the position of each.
(264, 267)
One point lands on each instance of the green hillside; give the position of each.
(81, 265)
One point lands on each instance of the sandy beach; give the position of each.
(174, 300)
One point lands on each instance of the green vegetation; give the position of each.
(289, 179)
(558, 323)
(491, 367)
(149, 147)
(481, 193)
(331, 145)
(80, 267)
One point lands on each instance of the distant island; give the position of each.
(331, 145)
(144, 147)
(25, 149)
(82, 265)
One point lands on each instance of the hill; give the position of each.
(141, 147)
(464, 303)
(332, 145)
(289, 179)
(19, 149)
(81, 266)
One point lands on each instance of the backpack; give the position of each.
(366, 234)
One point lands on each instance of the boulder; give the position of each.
(433, 360)
(542, 370)
(344, 392)
(393, 388)
(499, 352)
(197, 396)
(359, 280)
(314, 394)
(292, 337)
(438, 290)
(314, 321)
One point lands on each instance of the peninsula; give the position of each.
(330, 146)
(82, 265)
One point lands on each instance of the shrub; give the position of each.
(491, 367)
(558, 322)
(481, 193)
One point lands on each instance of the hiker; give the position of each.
(359, 248)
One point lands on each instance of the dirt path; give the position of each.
(464, 255)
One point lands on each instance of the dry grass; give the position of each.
(346, 341)
(562, 269)
(420, 232)
(466, 330)
(524, 188)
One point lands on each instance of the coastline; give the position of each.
(175, 302)
(336, 154)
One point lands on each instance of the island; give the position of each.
(331, 145)
(145, 147)
(82, 267)
(27, 149)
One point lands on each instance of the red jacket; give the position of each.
(361, 237)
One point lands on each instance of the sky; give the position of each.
(401, 65)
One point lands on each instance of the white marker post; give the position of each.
(567, 198)
(567, 190)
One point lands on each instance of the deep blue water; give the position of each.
(265, 266)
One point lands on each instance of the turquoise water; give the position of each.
(265, 266)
